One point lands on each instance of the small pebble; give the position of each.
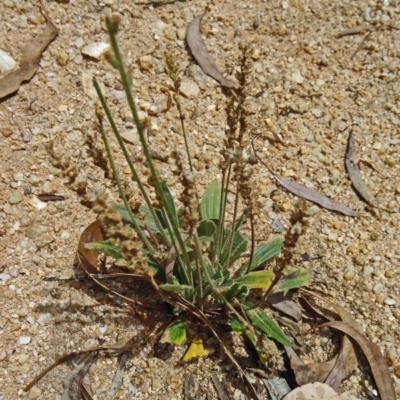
(349, 274)
(189, 89)
(390, 302)
(278, 226)
(51, 263)
(6, 131)
(359, 260)
(197, 74)
(23, 358)
(24, 339)
(35, 393)
(15, 197)
(7, 63)
(5, 277)
(297, 77)
(62, 58)
(378, 288)
(43, 318)
(145, 63)
(130, 136)
(95, 50)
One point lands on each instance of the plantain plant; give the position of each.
(209, 262)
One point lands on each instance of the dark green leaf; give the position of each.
(206, 228)
(170, 202)
(175, 288)
(239, 245)
(108, 247)
(210, 202)
(262, 321)
(236, 325)
(125, 214)
(263, 253)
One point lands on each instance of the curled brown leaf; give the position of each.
(201, 55)
(355, 176)
(375, 359)
(315, 197)
(30, 59)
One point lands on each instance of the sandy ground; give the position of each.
(306, 89)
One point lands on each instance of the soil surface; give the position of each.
(307, 87)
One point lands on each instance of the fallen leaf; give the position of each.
(73, 382)
(50, 197)
(315, 197)
(171, 258)
(335, 377)
(375, 359)
(355, 176)
(316, 391)
(201, 55)
(30, 59)
(88, 258)
(285, 305)
(222, 394)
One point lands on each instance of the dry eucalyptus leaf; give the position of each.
(30, 59)
(375, 359)
(201, 55)
(88, 258)
(355, 176)
(315, 197)
(73, 383)
(316, 391)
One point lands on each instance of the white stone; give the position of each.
(38, 204)
(96, 50)
(24, 339)
(7, 63)
(130, 136)
(189, 89)
(297, 77)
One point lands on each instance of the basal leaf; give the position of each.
(263, 253)
(125, 214)
(239, 245)
(295, 278)
(262, 321)
(256, 279)
(175, 288)
(210, 201)
(108, 247)
(263, 346)
(151, 224)
(175, 333)
(206, 228)
(236, 290)
(170, 202)
(237, 326)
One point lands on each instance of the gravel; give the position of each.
(305, 91)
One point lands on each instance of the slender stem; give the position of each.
(253, 244)
(221, 223)
(231, 235)
(126, 82)
(127, 158)
(122, 192)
